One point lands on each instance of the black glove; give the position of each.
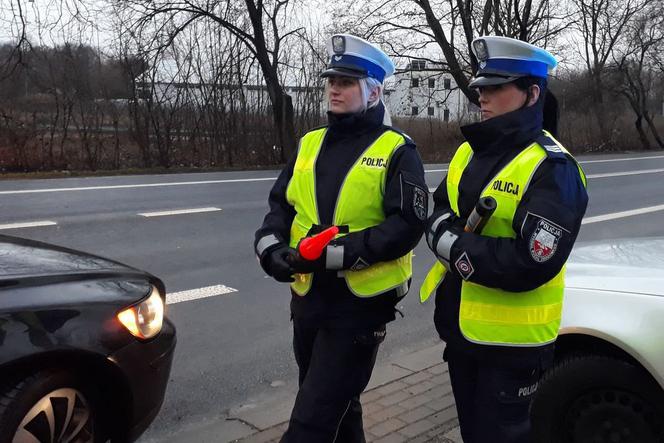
(441, 224)
(275, 263)
(302, 266)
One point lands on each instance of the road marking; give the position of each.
(612, 174)
(622, 214)
(178, 212)
(608, 160)
(28, 224)
(143, 185)
(621, 159)
(245, 180)
(620, 174)
(194, 294)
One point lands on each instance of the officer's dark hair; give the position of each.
(546, 100)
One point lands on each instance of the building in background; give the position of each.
(426, 90)
(422, 90)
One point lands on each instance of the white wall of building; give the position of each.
(424, 91)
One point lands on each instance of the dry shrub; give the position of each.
(436, 140)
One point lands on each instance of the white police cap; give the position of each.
(352, 56)
(503, 60)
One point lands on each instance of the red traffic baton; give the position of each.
(311, 248)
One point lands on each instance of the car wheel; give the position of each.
(49, 406)
(594, 398)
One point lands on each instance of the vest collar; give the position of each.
(356, 122)
(515, 129)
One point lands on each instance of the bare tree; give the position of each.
(424, 28)
(261, 25)
(636, 65)
(601, 25)
(13, 17)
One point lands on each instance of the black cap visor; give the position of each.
(339, 71)
(491, 80)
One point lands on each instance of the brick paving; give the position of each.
(417, 408)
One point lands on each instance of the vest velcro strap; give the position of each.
(515, 315)
(317, 229)
(431, 282)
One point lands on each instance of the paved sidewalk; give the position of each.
(408, 400)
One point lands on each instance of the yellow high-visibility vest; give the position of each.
(359, 206)
(490, 315)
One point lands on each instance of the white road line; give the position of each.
(28, 224)
(622, 214)
(194, 294)
(143, 185)
(620, 174)
(608, 160)
(178, 212)
(244, 180)
(613, 174)
(621, 159)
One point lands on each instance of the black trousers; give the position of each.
(492, 399)
(335, 366)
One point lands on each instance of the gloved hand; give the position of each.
(303, 266)
(447, 225)
(275, 263)
(440, 222)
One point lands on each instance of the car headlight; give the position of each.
(144, 320)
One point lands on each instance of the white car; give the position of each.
(606, 384)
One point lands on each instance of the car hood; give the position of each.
(629, 265)
(22, 259)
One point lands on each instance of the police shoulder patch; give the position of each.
(544, 240)
(420, 203)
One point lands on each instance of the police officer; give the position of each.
(362, 175)
(500, 291)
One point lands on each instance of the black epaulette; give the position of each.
(409, 141)
(552, 149)
(317, 128)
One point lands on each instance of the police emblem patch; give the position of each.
(338, 44)
(481, 50)
(544, 241)
(420, 203)
(464, 266)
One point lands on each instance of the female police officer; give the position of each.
(365, 177)
(498, 307)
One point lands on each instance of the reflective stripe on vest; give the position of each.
(359, 205)
(494, 316)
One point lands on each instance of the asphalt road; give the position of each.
(236, 345)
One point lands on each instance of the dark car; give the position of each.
(85, 349)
